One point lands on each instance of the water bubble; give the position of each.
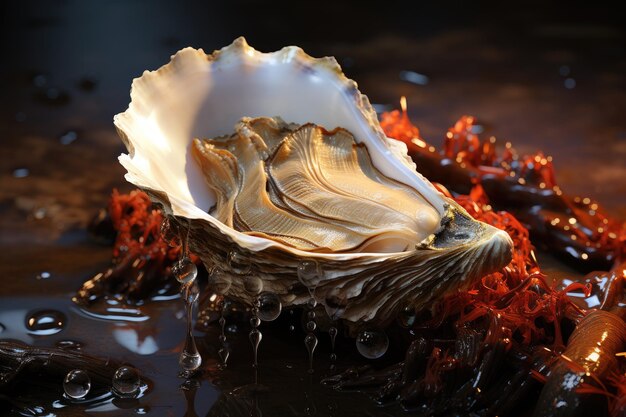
(76, 384)
(126, 381)
(45, 322)
(43, 275)
(238, 263)
(219, 280)
(253, 284)
(185, 270)
(406, 316)
(372, 344)
(269, 307)
(309, 273)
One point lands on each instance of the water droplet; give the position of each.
(126, 381)
(311, 315)
(311, 326)
(311, 303)
(255, 338)
(232, 329)
(220, 280)
(291, 327)
(309, 273)
(142, 410)
(21, 173)
(255, 321)
(310, 341)
(253, 284)
(189, 360)
(372, 344)
(69, 345)
(333, 357)
(76, 384)
(45, 322)
(407, 316)
(185, 270)
(43, 275)
(270, 306)
(238, 263)
(68, 137)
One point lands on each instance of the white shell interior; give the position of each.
(199, 95)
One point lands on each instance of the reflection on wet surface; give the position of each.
(561, 88)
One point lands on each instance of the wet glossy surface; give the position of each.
(540, 82)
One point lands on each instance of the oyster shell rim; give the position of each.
(181, 208)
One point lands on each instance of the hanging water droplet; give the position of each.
(255, 338)
(332, 332)
(126, 381)
(255, 321)
(310, 341)
(253, 284)
(311, 326)
(45, 322)
(219, 280)
(372, 344)
(76, 384)
(190, 360)
(311, 303)
(238, 263)
(311, 315)
(309, 273)
(185, 270)
(292, 327)
(269, 306)
(407, 316)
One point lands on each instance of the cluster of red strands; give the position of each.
(518, 303)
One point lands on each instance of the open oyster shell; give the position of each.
(204, 96)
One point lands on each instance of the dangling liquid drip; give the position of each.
(186, 272)
(333, 336)
(224, 352)
(255, 336)
(309, 274)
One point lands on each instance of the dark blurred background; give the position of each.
(543, 76)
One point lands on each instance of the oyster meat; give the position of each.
(323, 205)
(310, 189)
